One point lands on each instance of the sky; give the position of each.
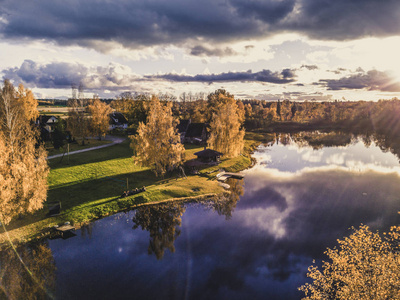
(256, 49)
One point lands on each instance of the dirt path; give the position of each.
(115, 140)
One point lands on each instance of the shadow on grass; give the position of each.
(81, 197)
(92, 191)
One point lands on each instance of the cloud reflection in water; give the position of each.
(290, 212)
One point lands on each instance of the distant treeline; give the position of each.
(380, 117)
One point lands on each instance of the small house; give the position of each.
(118, 121)
(46, 125)
(209, 156)
(182, 128)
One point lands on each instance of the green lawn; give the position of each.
(89, 186)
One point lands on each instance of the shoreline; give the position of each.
(44, 226)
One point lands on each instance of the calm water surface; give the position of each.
(296, 202)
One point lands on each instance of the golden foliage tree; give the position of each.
(366, 266)
(100, 117)
(157, 143)
(23, 164)
(226, 132)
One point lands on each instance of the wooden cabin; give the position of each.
(208, 155)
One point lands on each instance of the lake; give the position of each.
(255, 244)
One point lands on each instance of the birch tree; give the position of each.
(23, 164)
(100, 117)
(157, 143)
(226, 133)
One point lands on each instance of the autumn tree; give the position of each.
(226, 133)
(23, 164)
(78, 123)
(365, 266)
(157, 143)
(100, 117)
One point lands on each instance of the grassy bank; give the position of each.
(90, 185)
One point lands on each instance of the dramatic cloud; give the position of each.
(63, 75)
(371, 80)
(118, 78)
(286, 76)
(137, 24)
(344, 19)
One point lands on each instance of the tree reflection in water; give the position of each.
(225, 204)
(35, 281)
(163, 221)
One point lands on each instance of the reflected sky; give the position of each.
(355, 156)
(297, 201)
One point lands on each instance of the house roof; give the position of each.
(183, 125)
(208, 153)
(117, 118)
(43, 119)
(195, 130)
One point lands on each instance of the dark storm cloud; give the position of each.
(345, 19)
(371, 80)
(285, 76)
(136, 24)
(269, 12)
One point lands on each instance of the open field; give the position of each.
(52, 109)
(89, 186)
